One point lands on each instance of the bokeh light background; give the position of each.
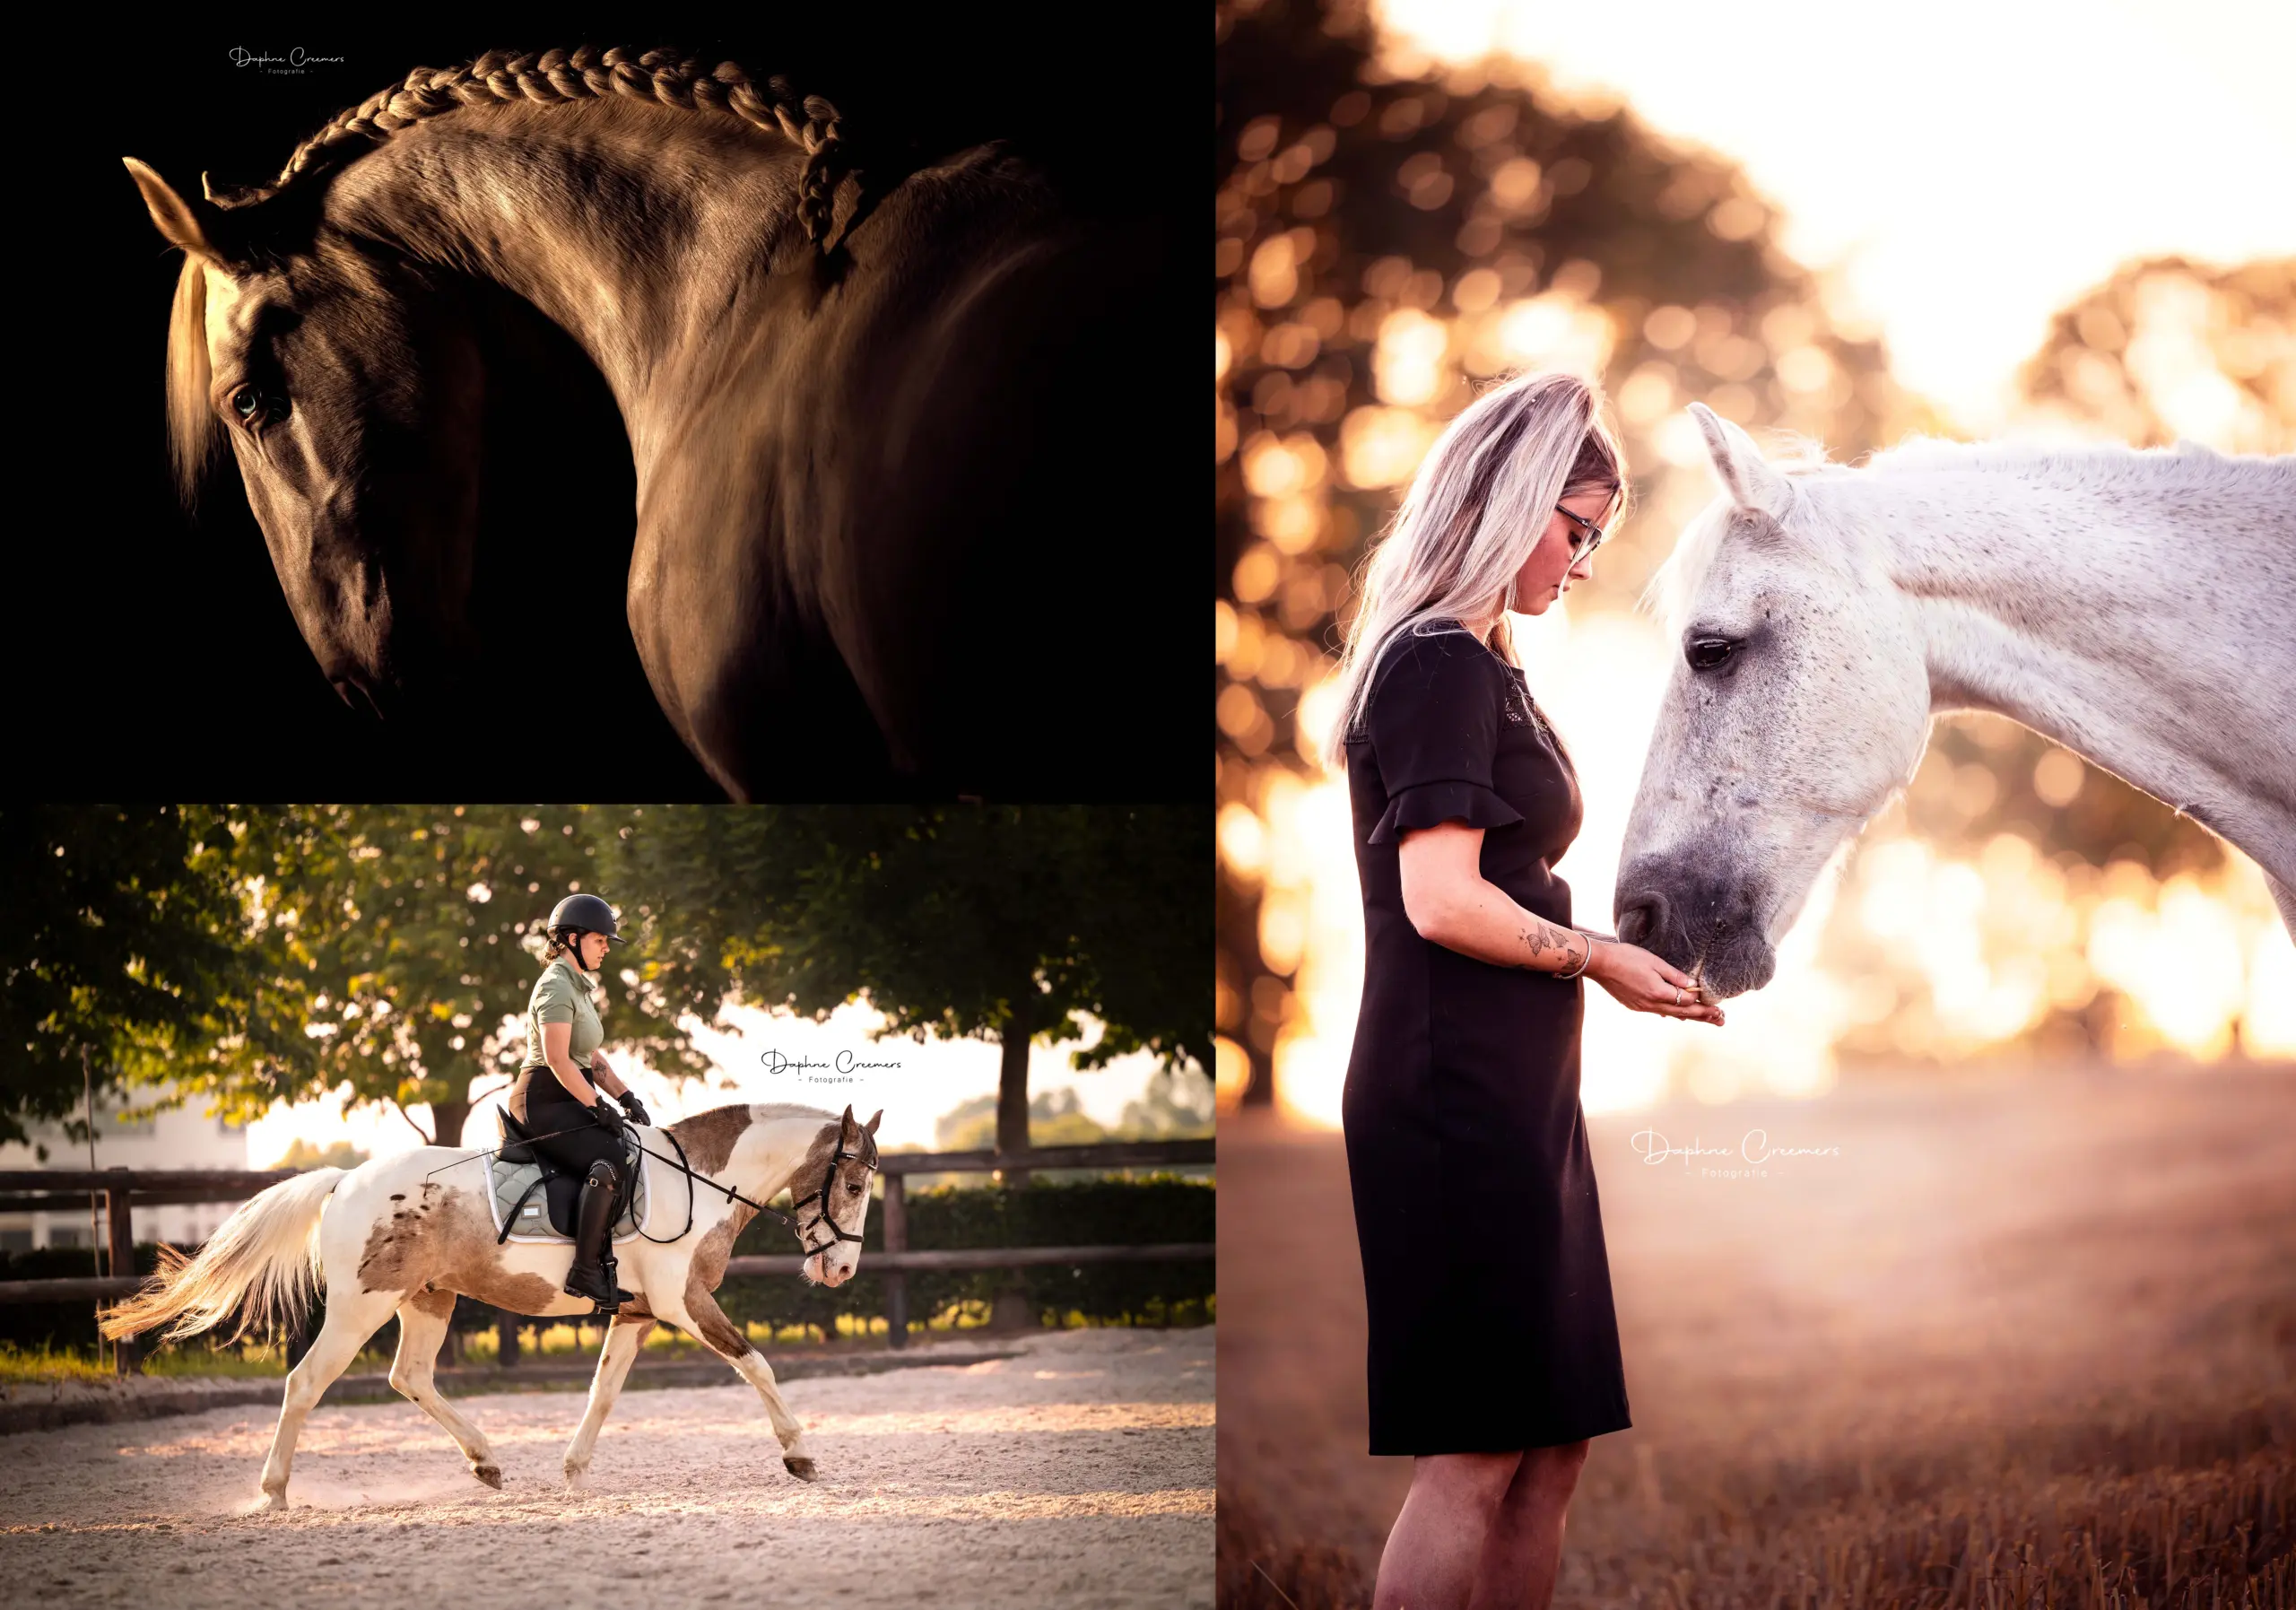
(1996, 227)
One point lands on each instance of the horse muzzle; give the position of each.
(1709, 926)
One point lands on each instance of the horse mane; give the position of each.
(585, 73)
(767, 1111)
(2092, 464)
(496, 78)
(2096, 466)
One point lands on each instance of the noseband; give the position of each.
(823, 1220)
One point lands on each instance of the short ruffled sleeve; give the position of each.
(1433, 724)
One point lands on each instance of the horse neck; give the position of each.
(773, 1151)
(678, 210)
(2120, 605)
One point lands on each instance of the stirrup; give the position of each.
(604, 1273)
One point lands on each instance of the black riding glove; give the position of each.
(608, 1119)
(634, 1107)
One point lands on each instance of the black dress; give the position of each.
(1488, 1287)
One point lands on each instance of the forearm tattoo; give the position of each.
(1552, 949)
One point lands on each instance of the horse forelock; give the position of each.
(192, 424)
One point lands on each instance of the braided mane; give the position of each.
(586, 73)
(498, 78)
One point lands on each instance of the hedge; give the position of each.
(62, 1325)
(1100, 1211)
(1084, 1213)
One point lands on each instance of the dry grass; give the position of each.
(2026, 1345)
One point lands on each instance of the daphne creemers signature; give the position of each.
(1651, 1147)
(241, 56)
(846, 1063)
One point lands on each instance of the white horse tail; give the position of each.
(263, 1260)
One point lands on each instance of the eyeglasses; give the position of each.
(1589, 537)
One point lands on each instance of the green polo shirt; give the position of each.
(561, 996)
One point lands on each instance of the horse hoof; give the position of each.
(272, 1503)
(491, 1475)
(802, 1469)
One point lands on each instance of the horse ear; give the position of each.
(847, 1127)
(1745, 476)
(872, 1125)
(194, 223)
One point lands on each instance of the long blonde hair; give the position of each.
(1477, 506)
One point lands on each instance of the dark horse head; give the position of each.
(347, 380)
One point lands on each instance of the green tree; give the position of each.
(302, 1154)
(1167, 1109)
(1057, 1118)
(1009, 923)
(127, 944)
(412, 934)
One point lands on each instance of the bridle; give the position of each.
(822, 1196)
(823, 1220)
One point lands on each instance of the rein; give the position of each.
(820, 1221)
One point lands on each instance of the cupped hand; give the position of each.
(1645, 982)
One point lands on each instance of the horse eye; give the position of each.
(1706, 653)
(252, 405)
(852, 1191)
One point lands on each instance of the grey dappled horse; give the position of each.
(2138, 607)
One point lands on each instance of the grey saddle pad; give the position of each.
(509, 1182)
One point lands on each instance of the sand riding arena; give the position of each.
(1079, 1472)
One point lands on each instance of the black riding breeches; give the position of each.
(590, 1141)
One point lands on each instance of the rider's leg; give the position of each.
(593, 1225)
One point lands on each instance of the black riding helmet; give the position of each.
(584, 914)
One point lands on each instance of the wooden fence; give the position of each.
(51, 1190)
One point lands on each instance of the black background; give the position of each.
(153, 655)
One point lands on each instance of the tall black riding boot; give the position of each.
(593, 1225)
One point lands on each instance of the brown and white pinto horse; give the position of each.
(405, 1234)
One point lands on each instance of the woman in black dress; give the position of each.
(1494, 1352)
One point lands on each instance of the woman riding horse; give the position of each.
(575, 1127)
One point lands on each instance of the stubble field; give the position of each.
(2029, 1341)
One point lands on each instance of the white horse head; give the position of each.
(1800, 703)
(2140, 608)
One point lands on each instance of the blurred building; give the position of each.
(179, 1138)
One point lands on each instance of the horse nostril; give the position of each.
(1642, 917)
